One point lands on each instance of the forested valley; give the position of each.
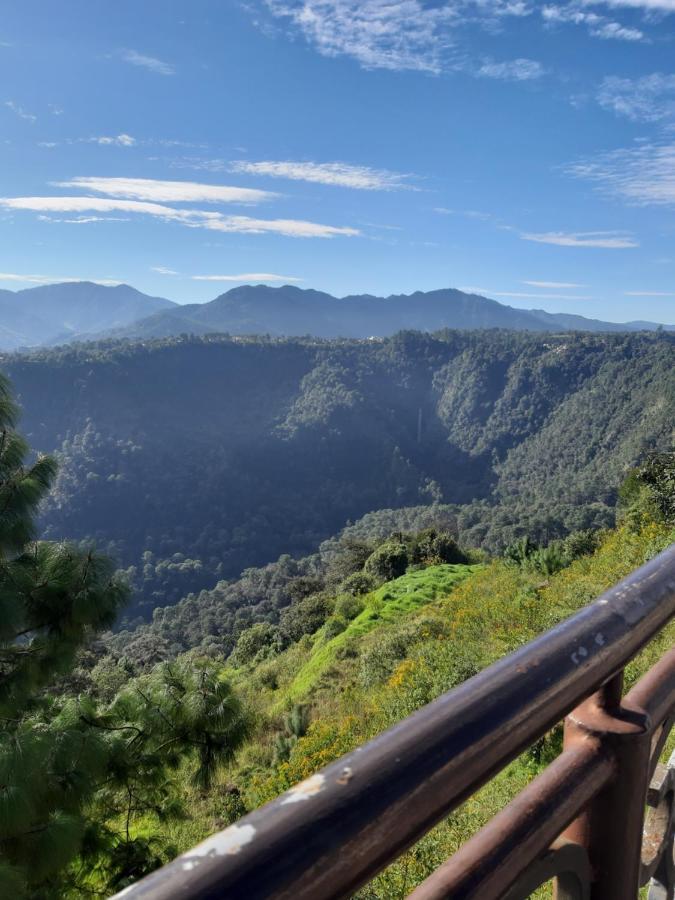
(256, 554)
(192, 459)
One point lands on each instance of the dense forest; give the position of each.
(192, 459)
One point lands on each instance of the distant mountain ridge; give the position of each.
(292, 311)
(60, 313)
(57, 313)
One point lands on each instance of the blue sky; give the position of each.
(522, 150)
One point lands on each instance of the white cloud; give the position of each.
(598, 26)
(642, 175)
(257, 277)
(194, 218)
(607, 240)
(162, 270)
(20, 111)
(664, 6)
(83, 220)
(612, 31)
(148, 62)
(554, 284)
(512, 70)
(646, 99)
(649, 293)
(336, 173)
(120, 140)
(527, 296)
(53, 279)
(403, 34)
(393, 34)
(468, 213)
(287, 227)
(100, 204)
(167, 191)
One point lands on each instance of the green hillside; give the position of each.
(415, 638)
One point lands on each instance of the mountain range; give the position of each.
(58, 313)
(61, 313)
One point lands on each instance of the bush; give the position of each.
(389, 561)
(304, 617)
(255, 643)
(334, 626)
(432, 547)
(348, 607)
(358, 583)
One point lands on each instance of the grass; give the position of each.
(383, 607)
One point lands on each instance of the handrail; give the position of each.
(332, 833)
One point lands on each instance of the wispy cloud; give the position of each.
(53, 279)
(607, 240)
(427, 36)
(467, 213)
(663, 6)
(555, 285)
(527, 296)
(101, 204)
(649, 98)
(379, 35)
(257, 277)
(167, 191)
(649, 293)
(20, 111)
(361, 178)
(597, 25)
(147, 62)
(522, 295)
(194, 218)
(119, 140)
(642, 175)
(612, 31)
(393, 34)
(512, 70)
(82, 220)
(163, 270)
(287, 227)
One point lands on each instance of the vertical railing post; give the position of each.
(611, 827)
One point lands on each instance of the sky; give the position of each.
(521, 150)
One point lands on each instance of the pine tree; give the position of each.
(52, 598)
(75, 776)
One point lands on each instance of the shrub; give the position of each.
(358, 583)
(304, 617)
(334, 626)
(254, 644)
(348, 607)
(389, 561)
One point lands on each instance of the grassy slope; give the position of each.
(386, 606)
(443, 628)
(492, 613)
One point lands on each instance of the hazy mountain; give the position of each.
(55, 313)
(293, 311)
(60, 313)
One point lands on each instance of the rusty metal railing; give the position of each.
(580, 822)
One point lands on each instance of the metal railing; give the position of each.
(579, 822)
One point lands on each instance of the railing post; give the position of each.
(611, 827)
